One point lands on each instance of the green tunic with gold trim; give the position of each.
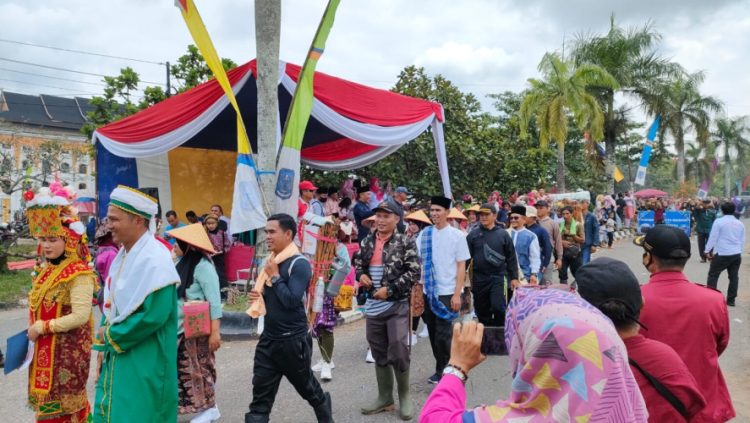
(138, 380)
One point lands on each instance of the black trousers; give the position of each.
(441, 333)
(702, 239)
(573, 265)
(489, 299)
(289, 358)
(221, 272)
(732, 266)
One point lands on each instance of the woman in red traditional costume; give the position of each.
(60, 318)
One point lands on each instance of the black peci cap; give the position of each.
(606, 279)
(665, 241)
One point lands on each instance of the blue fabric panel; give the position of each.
(111, 171)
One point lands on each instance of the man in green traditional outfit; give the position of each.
(137, 339)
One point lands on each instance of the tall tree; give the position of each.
(683, 109)
(630, 56)
(731, 135)
(563, 90)
(699, 162)
(191, 69)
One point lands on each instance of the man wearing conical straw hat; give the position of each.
(138, 335)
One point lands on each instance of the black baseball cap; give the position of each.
(488, 208)
(665, 241)
(386, 206)
(606, 279)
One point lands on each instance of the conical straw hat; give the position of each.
(194, 235)
(419, 216)
(474, 208)
(455, 214)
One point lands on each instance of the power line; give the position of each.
(69, 70)
(39, 85)
(82, 52)
(54, 77)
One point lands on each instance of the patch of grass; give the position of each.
(240, 304)
(14, 286)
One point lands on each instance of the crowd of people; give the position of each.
(582, 346)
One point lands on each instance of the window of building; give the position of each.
(81, 186)
(65, 167)
(83, 169)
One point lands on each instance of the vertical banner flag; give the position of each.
(247, 203)
(288, 166)
(640, 176)
(616, 173)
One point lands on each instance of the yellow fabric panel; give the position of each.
(200, 178)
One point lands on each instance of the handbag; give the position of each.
(572, 252)
(197, 319)
(417, 300)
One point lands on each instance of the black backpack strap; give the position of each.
(663, 390)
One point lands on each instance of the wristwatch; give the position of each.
(455, 371)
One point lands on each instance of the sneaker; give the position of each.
(208, 416)
(319, 365)
(414, 338)
(434, 379)
(325, 372)
(369, 358)
(424, 333)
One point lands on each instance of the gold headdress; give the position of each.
(50, 213)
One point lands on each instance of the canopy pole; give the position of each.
(267, 35)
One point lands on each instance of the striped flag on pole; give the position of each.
(247, 199)
(288, 166)
(640, 176)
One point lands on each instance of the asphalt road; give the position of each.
(354, 380)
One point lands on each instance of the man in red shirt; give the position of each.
(690, 318)
(610, 286)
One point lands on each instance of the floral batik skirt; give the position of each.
(196, 371)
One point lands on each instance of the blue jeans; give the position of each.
(585, 254)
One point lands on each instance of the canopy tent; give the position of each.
(650, 193)
(185, 146)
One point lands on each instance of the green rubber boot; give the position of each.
(405, 406)
(384, 376)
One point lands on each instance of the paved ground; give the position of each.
(354, 381)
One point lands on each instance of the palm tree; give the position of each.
(731, 135)
(629, 55)
(683, 109)
(698, 164)
(563, 91)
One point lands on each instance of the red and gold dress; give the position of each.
(60, 310)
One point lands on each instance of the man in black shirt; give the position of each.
(493, 256)
(285, 347)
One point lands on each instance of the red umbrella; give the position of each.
(650, 192)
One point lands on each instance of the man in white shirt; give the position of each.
(443, 251)
(724, 249)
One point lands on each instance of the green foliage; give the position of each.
(563, 92)
(191, 69)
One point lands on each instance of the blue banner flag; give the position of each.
(640, 176)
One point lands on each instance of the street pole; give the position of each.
(169, 81)
(267, 35)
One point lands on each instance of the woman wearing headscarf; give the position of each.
(196, 365)
(60, 319)
(221, 242)
(568, 365)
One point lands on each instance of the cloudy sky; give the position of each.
(483, 46)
